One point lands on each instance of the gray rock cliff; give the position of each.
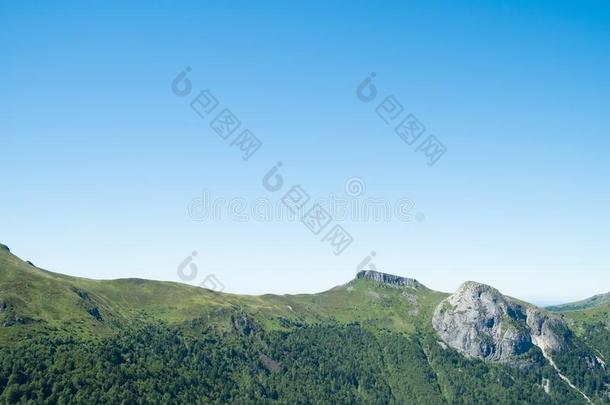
(481, 322)
(389, 279)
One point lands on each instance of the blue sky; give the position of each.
(100, 160)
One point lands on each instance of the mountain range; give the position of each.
(377, 339)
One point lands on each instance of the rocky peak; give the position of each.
(389, 279)
(481, 322)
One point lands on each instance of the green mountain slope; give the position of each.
(73, 340)
(32, 296)
(589, 303)
(590, 319)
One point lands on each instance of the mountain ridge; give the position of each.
(373, 275)
(432, 337)
(587, 303)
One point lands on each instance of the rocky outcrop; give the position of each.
(4, 247)
(95, 313)
(550, 334)
(481, 322)
(389, 279)
(244, 323)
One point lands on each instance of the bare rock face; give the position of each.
(551, 334)
(388, 279)
(481, 322)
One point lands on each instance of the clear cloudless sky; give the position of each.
(99, 160)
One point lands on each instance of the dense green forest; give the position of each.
(323, 364)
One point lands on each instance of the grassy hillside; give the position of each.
(600, 300)
(33, 296)
(590, 319)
